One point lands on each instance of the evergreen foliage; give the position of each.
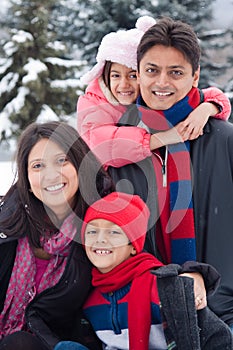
(40, 57)
(229, 85)
(37, 77)
(94, 19)
(103, 16)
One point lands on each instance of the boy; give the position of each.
(124, 306)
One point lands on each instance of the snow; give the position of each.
(4, 64)
(222, 18)
(64, 62)
(21, 36)
(6, 176)
(46, 114)
(33, 68)
(8, 82)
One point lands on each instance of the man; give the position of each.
(194, 212)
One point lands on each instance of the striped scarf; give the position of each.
(174, 198)
(21, 290)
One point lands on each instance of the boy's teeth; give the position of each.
(102, 252)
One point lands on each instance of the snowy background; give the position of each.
(6, 175)
(223, 13)
(223, 17)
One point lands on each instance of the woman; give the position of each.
(112, 91)
(44, 274)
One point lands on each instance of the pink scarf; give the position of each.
(21, 290)
(135, 270)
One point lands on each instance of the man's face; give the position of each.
(165, 77)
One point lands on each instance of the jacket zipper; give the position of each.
(164, 165)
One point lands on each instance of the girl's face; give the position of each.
(123, 83)
(53, 178)
(106, 244)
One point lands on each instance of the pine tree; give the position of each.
(37, 77)
(199, 13)
(229, 85)
(99, 17)
(94, 19)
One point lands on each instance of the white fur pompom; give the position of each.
(144, 23)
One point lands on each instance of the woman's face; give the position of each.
(123, 83)
(53, 178)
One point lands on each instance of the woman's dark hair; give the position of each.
(30, 216)
(106, 74)
(170, 33)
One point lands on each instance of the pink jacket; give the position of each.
(98, 112)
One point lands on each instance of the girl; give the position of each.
(112, 91)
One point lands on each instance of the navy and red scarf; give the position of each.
(176, 217)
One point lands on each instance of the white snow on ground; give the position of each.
(6, 176)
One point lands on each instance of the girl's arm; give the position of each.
(216, 105)
(216, 97)
(118, 146)
(114, 146)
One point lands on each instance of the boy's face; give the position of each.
(165, 77)
(106, 244)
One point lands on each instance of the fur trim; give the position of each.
(107, 93)
(119, 47)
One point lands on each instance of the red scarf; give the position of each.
(175, 199)
(136, 270)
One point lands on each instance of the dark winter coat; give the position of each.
(56, 313)
(212, 160)
(186, 328)
(212, 166)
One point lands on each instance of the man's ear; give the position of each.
(196, 77)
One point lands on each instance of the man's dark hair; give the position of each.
(171, 33)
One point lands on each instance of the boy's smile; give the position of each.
(106, 244)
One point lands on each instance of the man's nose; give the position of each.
(162, 79)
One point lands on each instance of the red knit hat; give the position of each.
(125, 210)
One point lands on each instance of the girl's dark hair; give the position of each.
(106, 74)
(29, 215)
(170, 33)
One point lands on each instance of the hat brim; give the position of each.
(94, 73)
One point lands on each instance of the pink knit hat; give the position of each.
(125, 210)
(119, 47)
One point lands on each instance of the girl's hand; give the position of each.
(192, 127)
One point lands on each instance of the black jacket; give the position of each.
(212, 166)
(186, 328)
(56, 313)
(212, 160)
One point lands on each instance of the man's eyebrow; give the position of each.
(169, 67)
(151, 64)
